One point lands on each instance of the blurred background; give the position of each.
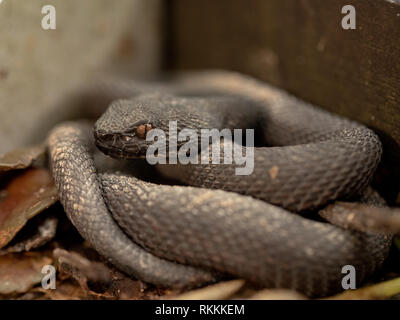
(297, 45)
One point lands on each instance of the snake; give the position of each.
(206, 222)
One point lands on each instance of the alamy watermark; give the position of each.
(349, 20)
(49, 278)
(188, 142)
(349, 280)
(49, 19)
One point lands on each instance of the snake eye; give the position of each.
(142, 129)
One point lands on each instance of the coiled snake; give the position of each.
(223, 223)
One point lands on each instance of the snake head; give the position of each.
(121, 131)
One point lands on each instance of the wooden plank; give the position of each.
(301, 46)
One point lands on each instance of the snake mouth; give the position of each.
(111, 145)
(120, 153)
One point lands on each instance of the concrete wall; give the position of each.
(37, 67)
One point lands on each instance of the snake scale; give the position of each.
(258, 227)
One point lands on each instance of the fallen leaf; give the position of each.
(222, 290)
(26, 195)
(19, 273)
(21, 158)
(65, 291)
(382, 290)
(82, 269)
(277, 294)
(44, 231)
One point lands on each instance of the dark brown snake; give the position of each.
(183, 236)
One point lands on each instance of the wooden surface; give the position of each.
(300, 45)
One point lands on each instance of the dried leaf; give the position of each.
(21, 158)
(24, 197)
(65, 291)
(45, 230)
(19, 273)
(99, 281)
(82, 269)
(222, 290)
(383, 290)
(124, 288)
(277, 294)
